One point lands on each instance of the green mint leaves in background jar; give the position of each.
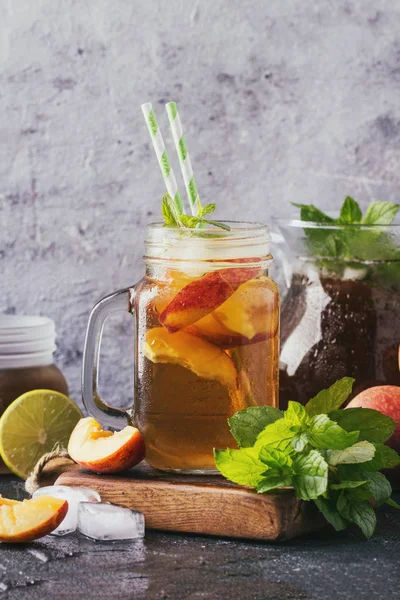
(353, 240)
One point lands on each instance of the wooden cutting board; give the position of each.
(203, 505)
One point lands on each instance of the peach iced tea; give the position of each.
(208, 347)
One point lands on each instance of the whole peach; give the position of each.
(386, 399)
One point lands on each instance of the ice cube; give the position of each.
(106, 521)
(74, 496)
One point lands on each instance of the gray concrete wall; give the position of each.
(282, 101)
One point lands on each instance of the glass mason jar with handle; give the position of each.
(206, 341)
(340, 315)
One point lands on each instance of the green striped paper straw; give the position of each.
(184, 158)
(162, 156)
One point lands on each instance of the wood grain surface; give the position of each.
(203, 505)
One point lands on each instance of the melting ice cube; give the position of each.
(74, 496)
(105, 521)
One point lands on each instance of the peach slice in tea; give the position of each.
(168, 289)
(252, 311)
(200, 297)
(214, 332)
(198, 355)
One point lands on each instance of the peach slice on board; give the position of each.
(29, 520)
(194, 353)
(252, 311)
(105, 451)
(202, 296)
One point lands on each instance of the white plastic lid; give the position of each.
(26, 341)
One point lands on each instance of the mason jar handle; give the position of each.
(109, 416)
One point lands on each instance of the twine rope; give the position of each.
(33, 481)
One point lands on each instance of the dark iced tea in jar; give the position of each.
(208, 327)
(340, 315)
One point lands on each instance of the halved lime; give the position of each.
(33, 425)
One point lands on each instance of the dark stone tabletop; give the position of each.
(321, 566)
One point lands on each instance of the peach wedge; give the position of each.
(252, 311)
(202, 296)
(212, 330)
(168, 289)
(198, 355)
(105, 451)
(29, 520)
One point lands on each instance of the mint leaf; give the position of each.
(379, 487)
(350, 211)
(384, 458)
(206, 210)
(331, 513)
(392, 503)
(300, 441)
(279, 469)
(310, 478)
(372, 484)
(309, 212)
(325, 244)
(191, 222)
(359, 513)
(380, 213)
(295, 415)
(372, 424)
(281, 433)
(275, 459)
(322, 243)
(333, 246)
(169, 212)
(347, 485)
(240, 466)
(375, 485)
(324, 433)
(246, 424)
(353, 472)
(357, 453)
(216, 224)
(271, 481)
(359, 494)
(331, 398)
(278, 435)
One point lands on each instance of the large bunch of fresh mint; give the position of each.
(172, 218)
(330, 456)
(353, 237)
